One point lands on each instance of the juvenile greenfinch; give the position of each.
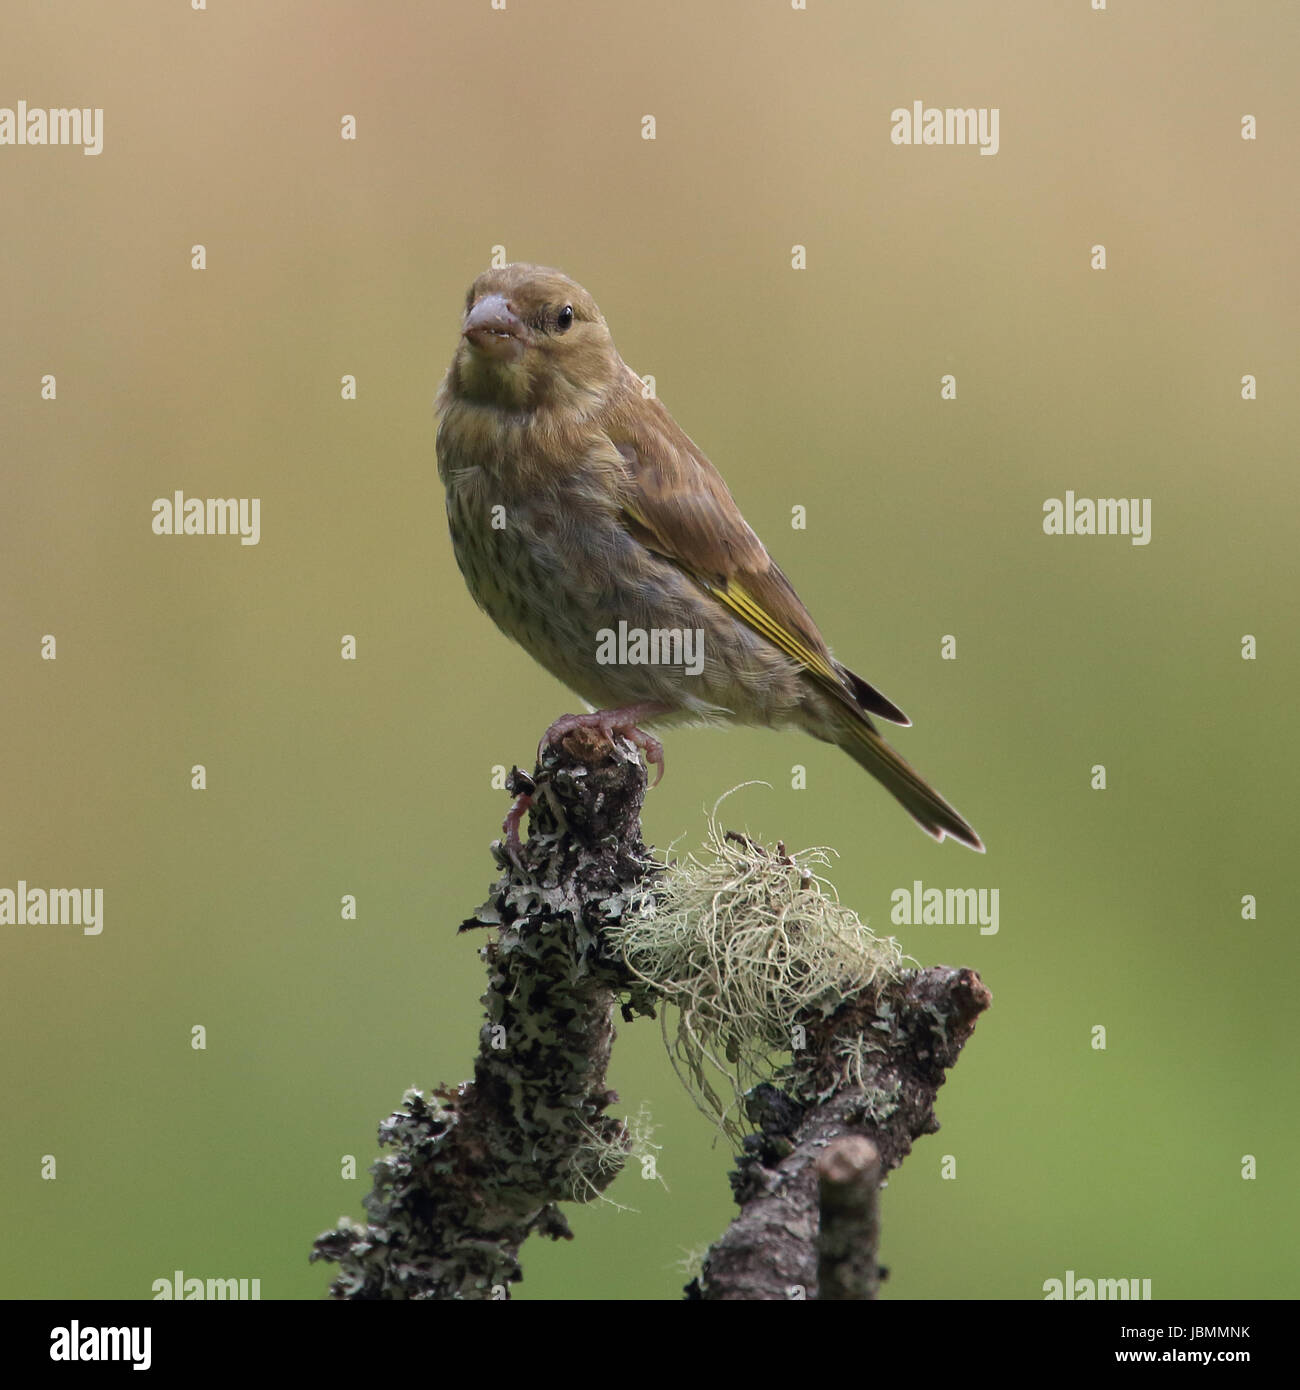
(582, 515)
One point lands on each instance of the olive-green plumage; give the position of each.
(576, 504)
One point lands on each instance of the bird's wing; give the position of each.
(676, 504)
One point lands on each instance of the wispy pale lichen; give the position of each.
(745, 941)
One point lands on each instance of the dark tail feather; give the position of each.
(871, 699)
(930, 811)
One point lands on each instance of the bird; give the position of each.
(587, 524)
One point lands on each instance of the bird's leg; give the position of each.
(518, 810)
(615, 721)
(523, 787)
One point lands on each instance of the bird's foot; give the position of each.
(614, 721)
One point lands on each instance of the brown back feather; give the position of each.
(677, 505)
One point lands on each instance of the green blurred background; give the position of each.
(817, 388)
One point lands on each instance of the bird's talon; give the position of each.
(612, 722)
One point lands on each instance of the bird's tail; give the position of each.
(930, 811)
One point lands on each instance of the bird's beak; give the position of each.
(493, 328)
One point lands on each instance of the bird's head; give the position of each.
(532, 339)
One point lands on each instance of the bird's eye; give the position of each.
(564, 319)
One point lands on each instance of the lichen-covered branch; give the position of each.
(756, 955)
(476, 1169)
(871, 1068)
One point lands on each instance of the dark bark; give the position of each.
(919, 1027)
(477, 1169)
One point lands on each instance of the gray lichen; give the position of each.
(476, 1169)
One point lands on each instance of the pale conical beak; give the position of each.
(492, 326)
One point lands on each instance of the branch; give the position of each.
(474, 1170)
(477, 1169)
(848, 1176)
(916, 1030)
